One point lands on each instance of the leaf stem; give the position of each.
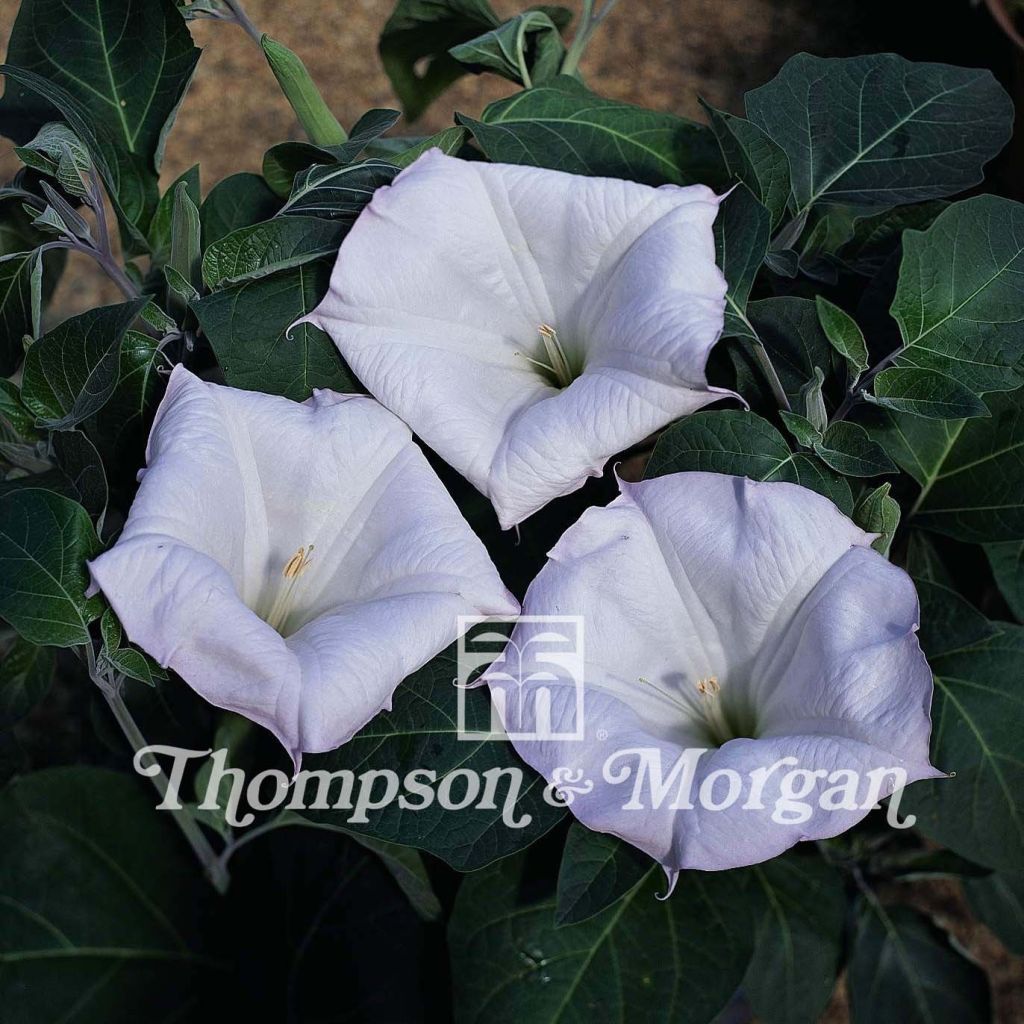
(854, 396)
(242, 19)
(110, 686)
(590, 21)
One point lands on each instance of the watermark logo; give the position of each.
(540, 667)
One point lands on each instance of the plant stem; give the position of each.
(590, 20)
(242, 19)
(854, 396)
(771, 376)
(110, 687)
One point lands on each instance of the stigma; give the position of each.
(293, 570)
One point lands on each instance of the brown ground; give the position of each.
(657, 53)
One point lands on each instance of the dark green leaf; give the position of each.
(56, 151)
(960, 292)
(676, 960)
(26, 672)
(72, 371)
(402, 151)
(881, 130)
(971, 471)
(421, 732)
(925, 393)
(976, 733)
(246, 326)
(844, 335)
(792, 335)
(567, 128)
(597, 870)
(236, 202)
(751, 157)
(126, 659)
(742, 444)
(876, 237)
(13, 414)
(998, 900)
(159, 233)
(1007, 561)
(420, 33)
(742, 231)
(949, 622)
(45, 541)
(338, 193)
(802, 429)
(80, 462)
(904, 970)
(278, 244)
(21, 283)
(848, 449)
(878, 513)
(796, 955)
(527, 49)
(100, 901)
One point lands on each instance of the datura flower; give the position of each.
(528, 324)
(750, 677)
(292, 562)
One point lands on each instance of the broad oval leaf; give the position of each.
(880, 130)
(566, 128)
(337, 193)
(979, 813)
(237, 201)
(925, 393)
(597, 870)
(45, 541)
(742, 444)
(675, 960)
(848, 449)
(421, 732)
(100, 902)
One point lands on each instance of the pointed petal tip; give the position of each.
(671, 877)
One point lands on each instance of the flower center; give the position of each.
(285, 600)
(555, 364)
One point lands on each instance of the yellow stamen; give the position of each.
(282, 606)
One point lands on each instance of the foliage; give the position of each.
(874, 331)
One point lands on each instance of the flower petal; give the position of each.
(443, 283)
(236, 483)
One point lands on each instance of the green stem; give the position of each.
(110, 687)
(590, 21)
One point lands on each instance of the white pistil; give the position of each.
(557, 364)
(293, 570)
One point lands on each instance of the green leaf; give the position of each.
(186, 254)
(58, 152)
(1007, 562)
(159, 233)
(905, 970)
(337, 193)
(880, 130)
(742, 232)
(420, 732)
(802, 429)
(676, 960)
(796, 955)
(26, 672)
(128, 659)
(72, 371)
(742, 444)
(13, 414)
(812, 401)
(21, 281)
(101, 905)
(848, 449)
(877, 512)
(949, 622)
(793, 337)
(45, 540)
(925, 393)
(278, 244)
(971, 471)
(527, 49)
(597, 870)
(844, 335)
(751, 157)
(976, 734)
(80, 462)
(247, 323)
(418, 35)
(876, 237)
(959, 294)
(998, 900)
(403, 150)
(567, 128)
(236, 202)
(407, 869)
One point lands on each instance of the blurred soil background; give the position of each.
(661, 54)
